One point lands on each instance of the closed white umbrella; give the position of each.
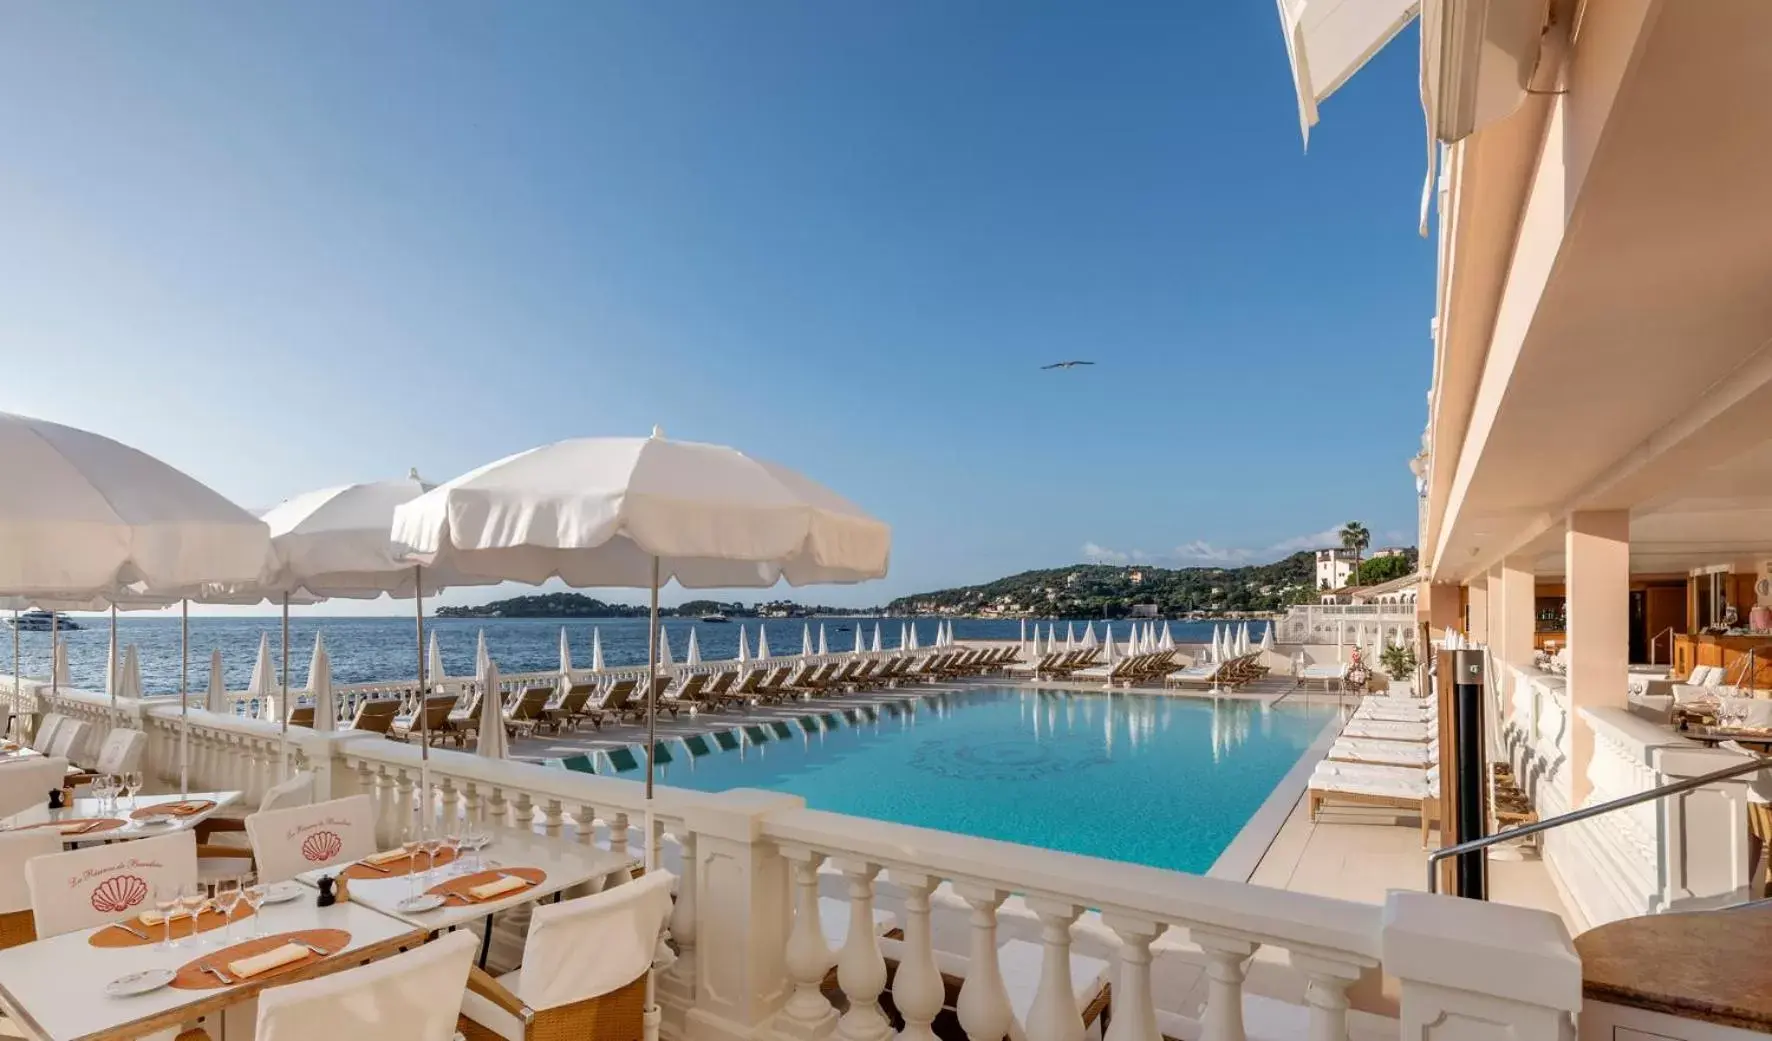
(762, 643)
(693, 656)
(744, 651)
(860, 646)
(1216, 649)
(1167, 643)
(596, 649)
(59, 671)
(216, 699)
(1024, 632)
(878, 647)
(1051, 636)
(1113, 653)
(1070, 636)
(263, 687)
(1089, 640)
(480, 655)
(913, 636)
(491, 742)
(132, 671)
(824, 646)
(664, 649)
(1243, 638)
(806, 641)
(434, 673)
(1267, 637)
(565, 655)
(320, 687)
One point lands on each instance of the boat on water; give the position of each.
(42, 622)
(715, 618)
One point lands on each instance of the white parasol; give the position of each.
(744, 650)
(131, 683)
(904, 636)
(913, 636)
(692, 657)
(320, 687)
(480, 655)
(491, 741)
(596, 649)
(434, 672)
(1070, 636)
(878, 647)
(860, 643)
(806, 640)
(824, 646)
(762, 643)
(565, 656)
(216, 699)
(1089, 640)
(1267, 637)
(262, 687)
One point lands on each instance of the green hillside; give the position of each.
(1095, 590)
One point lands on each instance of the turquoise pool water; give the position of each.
(1167, 782)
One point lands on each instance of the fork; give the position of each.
(321, 951)
(226, 981)
(132, 930)
(372, 867)
(520, 878)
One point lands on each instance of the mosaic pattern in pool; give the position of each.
(1152, 780)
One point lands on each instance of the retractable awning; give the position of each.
(1328, 41)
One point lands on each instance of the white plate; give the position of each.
(283, 892)
(153, 822)
(419, 904)
(139, 982)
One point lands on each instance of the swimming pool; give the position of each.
(1155, 780)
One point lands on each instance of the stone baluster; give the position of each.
(983, 1007)
(679, 982)
(404, 819)
(1226, 958)
(584, 824)
(917, 990)
(475, 807)
(523, 817)
(861, 970)
(448, 803)
(655, 841)
(1054, 1015)
(618, 834)
(1326, 984)
(496, 807)
(551, 817)
(808, 1013)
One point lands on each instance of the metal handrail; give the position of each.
(1738, 770)
(1668, 632)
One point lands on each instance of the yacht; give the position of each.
(41, 622)
(715, 617)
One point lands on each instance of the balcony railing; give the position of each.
(752, 868)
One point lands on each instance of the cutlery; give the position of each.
(321, 951)
(372, 867)
(520, 878)
(226, 981)
(84, 828)
(132, 930)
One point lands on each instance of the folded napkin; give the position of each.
(152, 918)
(503, 885)
(246, 968)
(386, 856)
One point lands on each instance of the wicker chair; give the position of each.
(584, 976)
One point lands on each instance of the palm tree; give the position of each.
(1354, 536)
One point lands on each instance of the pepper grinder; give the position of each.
(327, 897)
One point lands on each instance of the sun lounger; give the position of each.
(376, 717)
(620, 702)
(584, 710)
(1395, 714)
(436, 719)
(1208, 674)
(714, 696)
(525, 714)
(1384, 753)
(464, 721)
(1324, 674)
(1391, 730)
(1357, 784)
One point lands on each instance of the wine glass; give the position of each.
(132, 786)
(253, 891)
(430, 844)
(473, 838)
(412, 846)
(166, 902)
(452, 844)
(227, 897)
(191, 899)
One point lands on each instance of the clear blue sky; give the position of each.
(291, 245)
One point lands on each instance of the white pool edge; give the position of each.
(1239, 860)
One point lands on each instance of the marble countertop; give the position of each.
(1704, 965)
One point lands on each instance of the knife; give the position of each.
(132, 930)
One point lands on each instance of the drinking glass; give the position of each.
(166, 902)
(227, 897)
(132, 786)
(413, 846)
(473, 838)
(191, 899)
(430, 844)
(102, 792)
(452, 843)
(252, 890)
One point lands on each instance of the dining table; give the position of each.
(547, 865)
(56, 988)
(123, 819)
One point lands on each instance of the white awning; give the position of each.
(1329, 40)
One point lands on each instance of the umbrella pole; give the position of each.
(184, 699)
(652, 1015)
(111, 666)
(283, 701)
(18, 688)
(424, 707)
(54, 653)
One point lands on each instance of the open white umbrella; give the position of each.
(744, 650)
(596, 649)
(216, 698)
(692, 657)
(762, 643)
(640, 512)
(824, 646)
(878, 647)
(262, 687)
(492, 742)
(664, 649)
(132, 672)
(320, 687)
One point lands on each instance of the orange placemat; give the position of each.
(174, 809)
(397, 868)
(460, 886)
(99, 824)
(181, 928)
(191, 975)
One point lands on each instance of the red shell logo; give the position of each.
(118, 893)
(321, 847)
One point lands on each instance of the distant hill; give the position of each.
(577, 605)
(1095, 590)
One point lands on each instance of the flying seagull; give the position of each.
(1065, 365)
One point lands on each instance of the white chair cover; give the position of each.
(286, 843)
(16, 848)
(27, 783)
(70, 740)
(297, 791)
(580, 949)
(102, 883)
(5, 719)
(409, 997)
(121, 752)
(45, 735)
